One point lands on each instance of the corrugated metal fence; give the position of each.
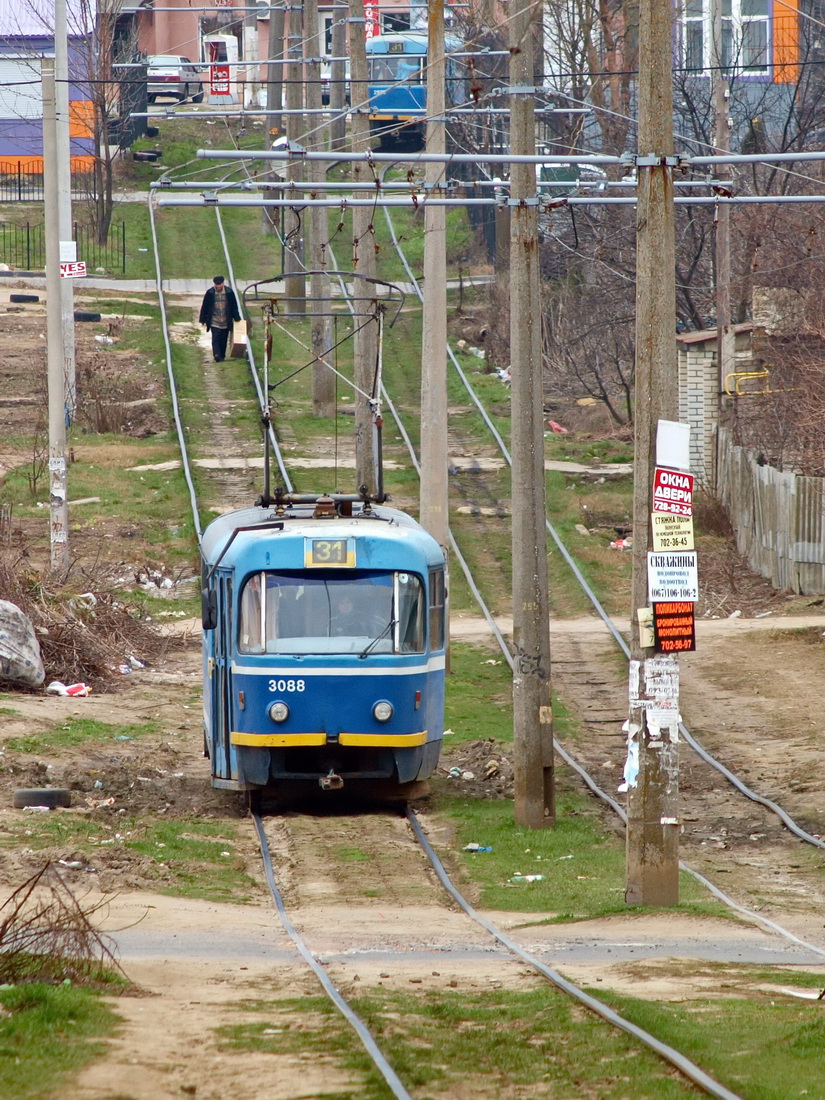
(778, 518)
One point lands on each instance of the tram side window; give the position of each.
(410, 613)
(438, 599)
(251, 628)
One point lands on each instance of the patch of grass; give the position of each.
(9, 711)
(46, 1034)
(766, 1046)
(479, 695)
(74, 731)
(582, 861)
(193, 857)
(438, 1041)
(582, 858)
(199, 853)
(353, 855)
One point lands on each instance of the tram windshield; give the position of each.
(325, 612)
(394, 68)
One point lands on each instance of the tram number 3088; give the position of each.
(287, 685)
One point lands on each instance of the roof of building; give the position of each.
(705, 335)
(35, 18)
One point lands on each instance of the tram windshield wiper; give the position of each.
(390, 626)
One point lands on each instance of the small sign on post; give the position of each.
(674, 626)
(672, 577)
(73, 270)
(672, 492)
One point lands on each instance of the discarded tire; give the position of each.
(24, 297)
(85, 315)
(47, 796)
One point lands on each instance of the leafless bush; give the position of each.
(86, 626)
(46, 935)
(108, 400)
(710, 514)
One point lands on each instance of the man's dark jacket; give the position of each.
(208, 306)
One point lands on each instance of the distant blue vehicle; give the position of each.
(397, 85)
(323, 647)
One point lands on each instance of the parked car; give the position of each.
(169, 75)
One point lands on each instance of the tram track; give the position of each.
(602, 710)
(729, 775)
(673, 1057)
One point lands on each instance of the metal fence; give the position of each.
(24, 247)
(19, 183)
(778, 518)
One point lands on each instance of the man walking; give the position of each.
(219, 311)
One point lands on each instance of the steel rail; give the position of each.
(173, 389)
(674, 1057)
(620, 641)
(703, 753)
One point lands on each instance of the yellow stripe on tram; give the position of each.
(277, 740)
(384, 740)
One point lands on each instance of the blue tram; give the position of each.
(324, 645)
(397, 85)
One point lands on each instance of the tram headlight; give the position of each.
(279, 712)
(382, 712)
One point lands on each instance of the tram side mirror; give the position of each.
(209, 608)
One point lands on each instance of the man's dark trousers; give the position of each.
(219, 339)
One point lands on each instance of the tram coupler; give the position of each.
(331, 782)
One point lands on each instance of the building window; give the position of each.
(745, 36)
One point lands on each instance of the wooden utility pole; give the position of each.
(295, 282)
(58, 482)
(434, 509)
(532, 707)
(338, 81)
(652, 827)
(323, 380)
(720, 90)
(363, 250)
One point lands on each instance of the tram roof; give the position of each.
(386, 525)
(383, 43)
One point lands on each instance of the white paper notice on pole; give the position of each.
(75, 270)
(672, 577)
(68, 252)
(673, 444)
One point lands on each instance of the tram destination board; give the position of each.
(674, 626)
(329, 553)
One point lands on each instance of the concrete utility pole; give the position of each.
(323, 380)
(532, 706)
(250, 53)
(274, 101)
(338, 80)
(720, 90)
(295, 283)
(652, 828)
(64, 183)
(275, 73)
(434, 507)
(363, 249)
(58, 488)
